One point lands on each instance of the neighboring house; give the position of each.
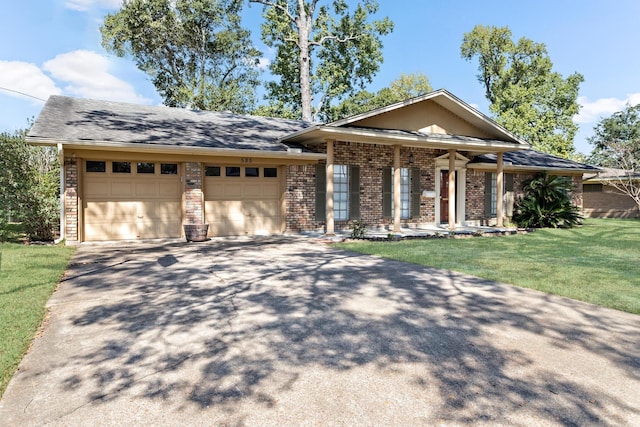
(134, 172)
(603, 200)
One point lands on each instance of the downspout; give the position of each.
(62, 198)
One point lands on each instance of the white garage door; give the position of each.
(244, 200)
(131, 200)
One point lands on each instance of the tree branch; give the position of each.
(336, 38)
(277, 6)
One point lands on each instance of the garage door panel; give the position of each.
(122, 189)
(152, 229)
(146, 189)
(98, 189)
(271, 189)
(167, 189)
(231, 209)
(97, 231)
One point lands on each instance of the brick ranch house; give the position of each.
(137, 172)
(603, 200)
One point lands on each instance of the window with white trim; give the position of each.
(341, 192)
(405, 192)
(494, 194)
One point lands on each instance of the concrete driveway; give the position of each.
(286, 331)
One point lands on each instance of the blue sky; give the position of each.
(53, 47)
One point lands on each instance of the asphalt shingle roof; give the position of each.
(65, 119)
(537, 159)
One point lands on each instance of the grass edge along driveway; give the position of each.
(28, 276)
(597, 262)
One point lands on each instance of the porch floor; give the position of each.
(423, 231)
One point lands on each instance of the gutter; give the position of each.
(511, 167)
(184, 150)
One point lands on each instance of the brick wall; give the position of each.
(300, 197)
(610, 203)
(194, 197)
(71, 208)
(474, 207)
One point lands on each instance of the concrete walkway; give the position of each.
(289, 331)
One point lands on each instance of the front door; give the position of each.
(444, 195)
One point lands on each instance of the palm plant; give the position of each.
(546, 203)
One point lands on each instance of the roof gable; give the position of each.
(437, 112)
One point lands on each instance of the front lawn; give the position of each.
(28, 276)
(598, 262)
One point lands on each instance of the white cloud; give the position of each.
(593, 111)
(263, 63)
(27, 78)
(87, 75)
(85, 5)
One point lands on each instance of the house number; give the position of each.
(247, 160)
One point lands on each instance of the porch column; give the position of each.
(499, 191)
(396, 189)
(329, 193)
(452, 189)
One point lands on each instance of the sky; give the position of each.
(53, 47)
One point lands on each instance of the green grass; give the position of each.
(598, 262)
(28, 276)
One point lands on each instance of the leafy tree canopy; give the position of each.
(615, 135)
(405, 87)
(195, 51)
(323, 52)
(28, 186)
(527, 96)
(616, 142)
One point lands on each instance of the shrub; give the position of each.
(546, 203)
(358, 229)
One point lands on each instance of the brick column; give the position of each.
(194, 197)
(71, 208)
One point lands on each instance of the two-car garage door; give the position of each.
(124, 200)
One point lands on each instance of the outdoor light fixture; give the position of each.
(411, 158)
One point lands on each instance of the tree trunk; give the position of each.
(304, 29)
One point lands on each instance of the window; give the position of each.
(346, 192)
(252, 172)
(341, 192)
(592, 188)
(121, 167)
(168, 169)
(212, 171)
(405, 193)
(494, 195)
(144, 167)
(270, 172)
(233, 171)
(93, 166)
(491, 194)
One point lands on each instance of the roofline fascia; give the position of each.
(610, 179)
(377, 138)
(510, 166)
(166, 149)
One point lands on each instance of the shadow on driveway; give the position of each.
(280, 331)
